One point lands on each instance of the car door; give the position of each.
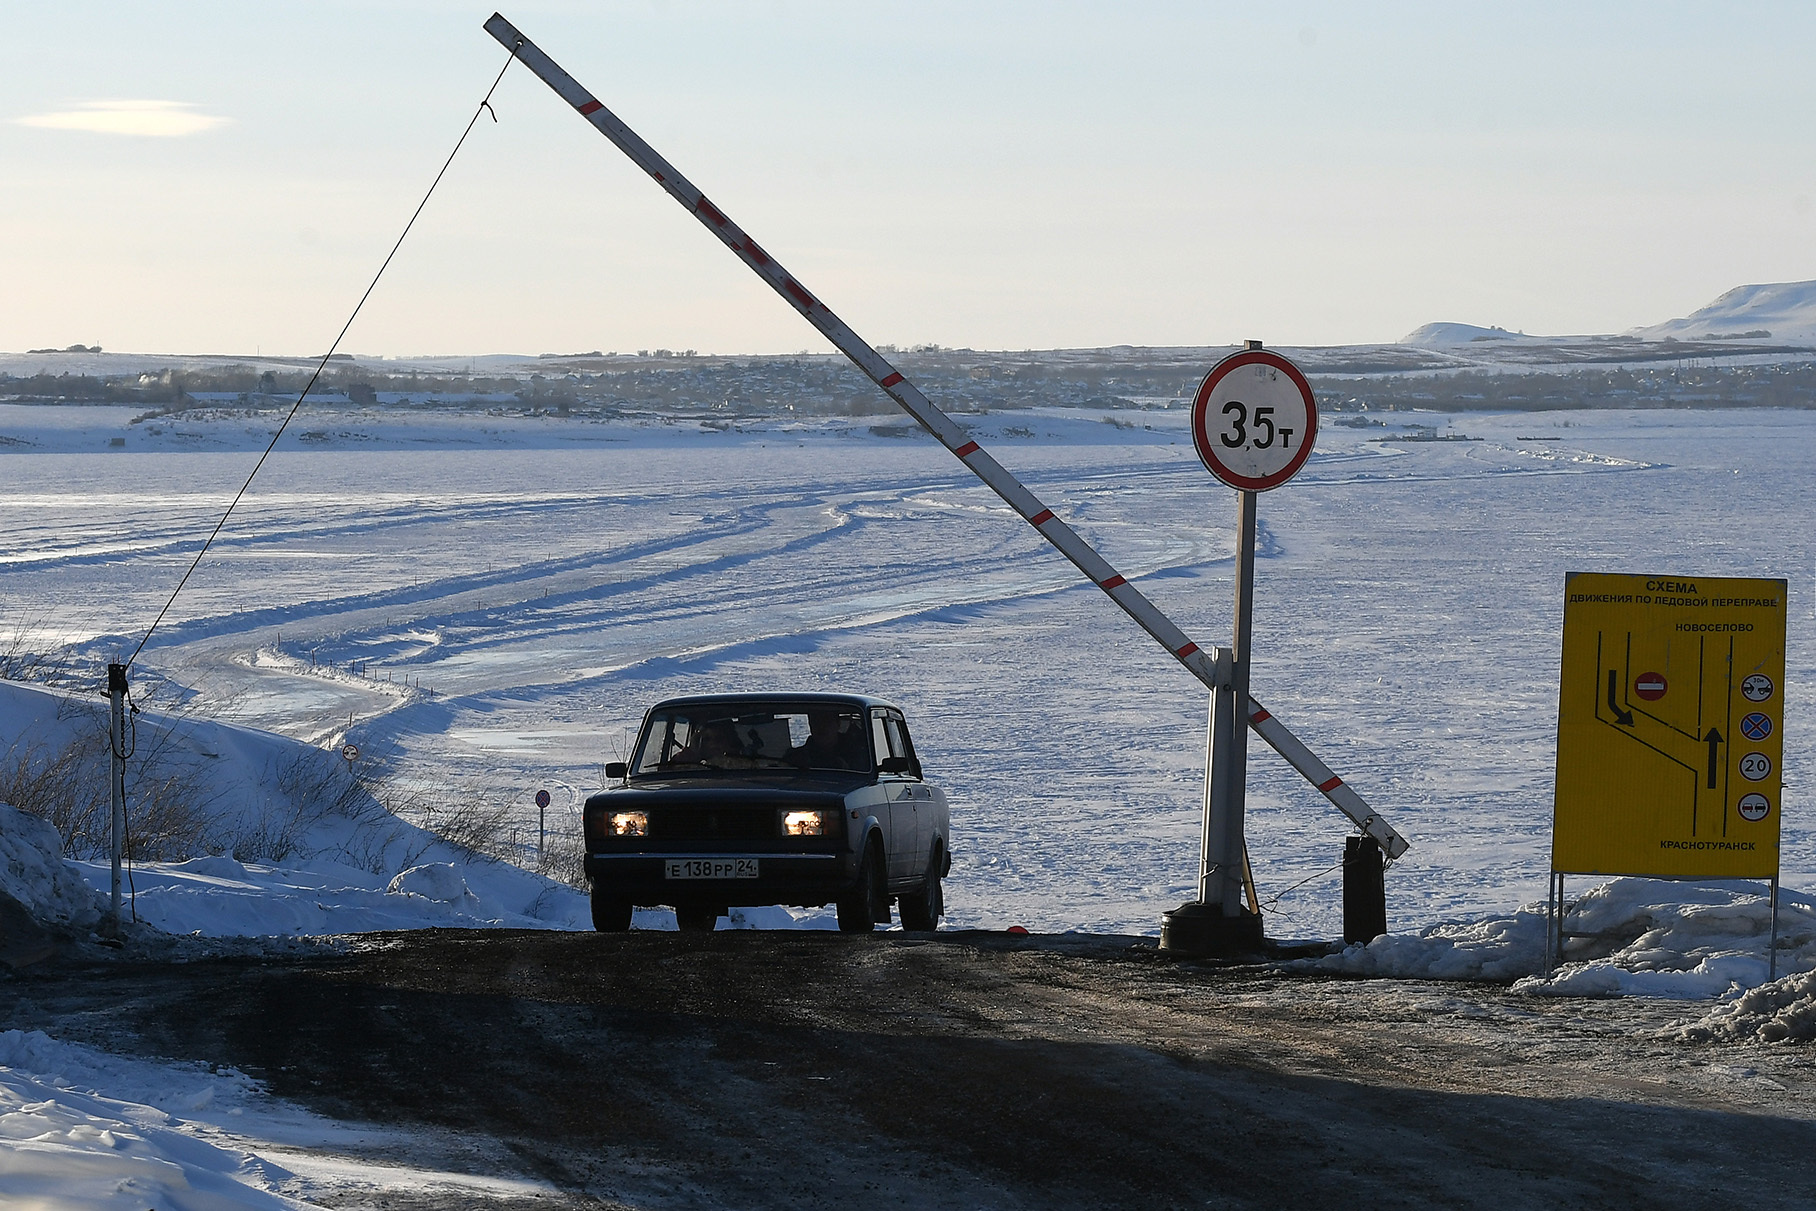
(899, 816)
(930, 810)
(905, 793)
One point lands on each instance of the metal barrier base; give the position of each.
(1202, 929)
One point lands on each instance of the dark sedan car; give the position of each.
(748, 799)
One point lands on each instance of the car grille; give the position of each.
(714, 824)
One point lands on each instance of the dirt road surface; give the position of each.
(962, 1070)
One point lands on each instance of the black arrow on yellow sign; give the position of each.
(1714, 742)
(1624, 718)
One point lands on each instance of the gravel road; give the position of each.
(961, 1070)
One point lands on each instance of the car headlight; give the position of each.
(804, 824)
(630, 824)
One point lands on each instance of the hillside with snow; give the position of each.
(238, 832)
(1447, 335)
(1781, 311)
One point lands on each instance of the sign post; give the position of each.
(542, 822)
(116, 788)
(1670, 731)
(1254, 421)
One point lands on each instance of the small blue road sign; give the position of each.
(1756, 726)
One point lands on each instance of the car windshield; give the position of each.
(711, 737)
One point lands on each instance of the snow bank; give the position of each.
(220, 897)
(342, 863)
(1493, 948)
(1783, 1011)
(436, 881)
(34, 872)
(1635, 937)
(62, 1144)
(187, 1137)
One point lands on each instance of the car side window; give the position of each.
(899, 727)
(893, 740)
(879, 737)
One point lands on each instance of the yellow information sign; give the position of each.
(1670, 727)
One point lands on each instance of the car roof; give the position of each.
(862, 701)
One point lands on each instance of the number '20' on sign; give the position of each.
(1254, 420)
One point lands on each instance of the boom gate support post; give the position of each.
(1218, 922)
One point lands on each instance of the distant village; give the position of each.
(686, 384)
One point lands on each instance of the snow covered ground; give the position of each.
(494, 599)
(490, 601)
(86, 1128)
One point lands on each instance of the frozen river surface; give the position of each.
(547, 579)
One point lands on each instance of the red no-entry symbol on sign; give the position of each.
(1650, 686)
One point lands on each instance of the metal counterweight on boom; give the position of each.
(1203, 664)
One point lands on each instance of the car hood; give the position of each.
(658, 792)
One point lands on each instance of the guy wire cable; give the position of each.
(485, 106)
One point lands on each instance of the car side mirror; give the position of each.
(894, 765)
(617, 769)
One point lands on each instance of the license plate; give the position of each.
(710, 868)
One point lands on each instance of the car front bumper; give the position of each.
(806, 880)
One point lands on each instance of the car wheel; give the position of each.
(611, 914)
(857, 907)
(923, 908)
(696, 918)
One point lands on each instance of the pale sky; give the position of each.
(226, 177)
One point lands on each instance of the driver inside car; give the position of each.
(834, 741)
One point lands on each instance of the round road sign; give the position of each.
(1755, 766)
(1254, 420)
(1754, 807)
(542, 798)
(1650, 686)
(1757, 688)
(350, 751)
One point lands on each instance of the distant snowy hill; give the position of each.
(1783, 311)
(1443, 336)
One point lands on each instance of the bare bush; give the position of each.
(309, 789)
(174, 809)
(472, 819)
(563, 859)
(60, 787)
(470, 816)
(168, 818)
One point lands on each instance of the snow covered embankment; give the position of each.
(65, 1144)
(84, 1128)
(280, 839)
(1645, 938)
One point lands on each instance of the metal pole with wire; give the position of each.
(116, 785)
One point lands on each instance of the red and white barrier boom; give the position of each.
(1202, 664)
